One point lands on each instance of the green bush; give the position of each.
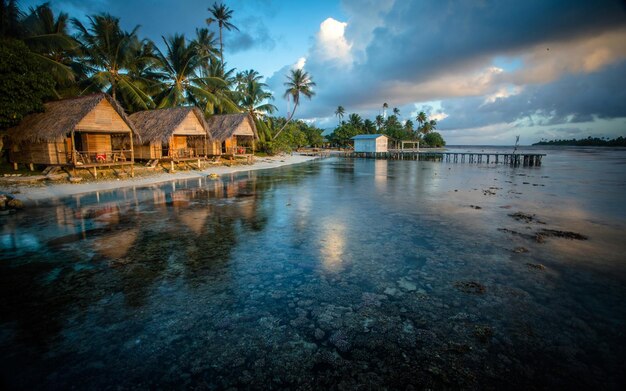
(23, 84)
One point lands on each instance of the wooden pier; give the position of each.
(513, 159)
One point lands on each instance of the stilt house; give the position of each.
(83, 132)
(236, 132)
(176, 134)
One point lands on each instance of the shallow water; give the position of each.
(335, 273)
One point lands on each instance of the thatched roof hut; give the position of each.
(178, 133)
(161, 125)
(236, 132)
(225, 126)
(61, 117)
(89, 131)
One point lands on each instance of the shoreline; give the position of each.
(29, 193)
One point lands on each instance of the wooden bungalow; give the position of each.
(84, 132)
(176, 134)
(236, 132)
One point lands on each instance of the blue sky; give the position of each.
(486, 70)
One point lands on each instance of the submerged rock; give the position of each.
(483, 333)
(525, 218)
(553, 233)
(471, 287)
(407, 285)
(535, 266)
(520, 250)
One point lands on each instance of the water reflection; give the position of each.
(332, 244)
(341, 272)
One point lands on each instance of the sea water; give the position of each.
(330, 274)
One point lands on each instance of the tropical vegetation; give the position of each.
(44, 57)
(424, 132)
(587, 142)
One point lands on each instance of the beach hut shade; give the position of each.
(95, 127)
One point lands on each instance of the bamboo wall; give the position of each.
(40, 153)
(190, 126)
(148, 152)
(103, 118)
(95, 143)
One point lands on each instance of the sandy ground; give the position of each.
(35, 192)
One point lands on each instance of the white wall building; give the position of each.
(370, 143)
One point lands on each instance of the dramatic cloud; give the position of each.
(500, 61)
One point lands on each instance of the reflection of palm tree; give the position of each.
(340, 112)
(221, 15)
(299, 82)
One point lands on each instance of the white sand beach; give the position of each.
(28, 192)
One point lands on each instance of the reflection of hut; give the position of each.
(84, 132)
(179, 133)
(117, 244)
(236, 132)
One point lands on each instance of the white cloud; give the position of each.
(299, 64)
(331, 43)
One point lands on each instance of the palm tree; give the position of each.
(385, 107)
(221, 15)
(340, 112)
(205, 45)
(50, 43)
(369, 127)
(254, 99)
(379, 122)
(10, 18)
(299, 82)
(429, 126)
(421, 118)
(179, 79)
(224, 91)
(108, 52)
(396, 111)
(355, 120)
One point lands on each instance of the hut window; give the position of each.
(104, 117)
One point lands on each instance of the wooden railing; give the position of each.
(102, 157)
(183, 153)
(239, 150)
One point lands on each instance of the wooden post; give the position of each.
(15, 166)
(31, 166)
(172, 165)
(73, 149)
(132, 156)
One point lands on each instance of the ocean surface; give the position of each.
(346, 274)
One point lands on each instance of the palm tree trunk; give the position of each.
(221, 47)
(285, 125)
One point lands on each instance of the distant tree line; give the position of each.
(45, 57)
(390, 125)
(587, 142)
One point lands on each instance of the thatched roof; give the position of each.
(159, 125)
(225, 126)
(59, 118)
